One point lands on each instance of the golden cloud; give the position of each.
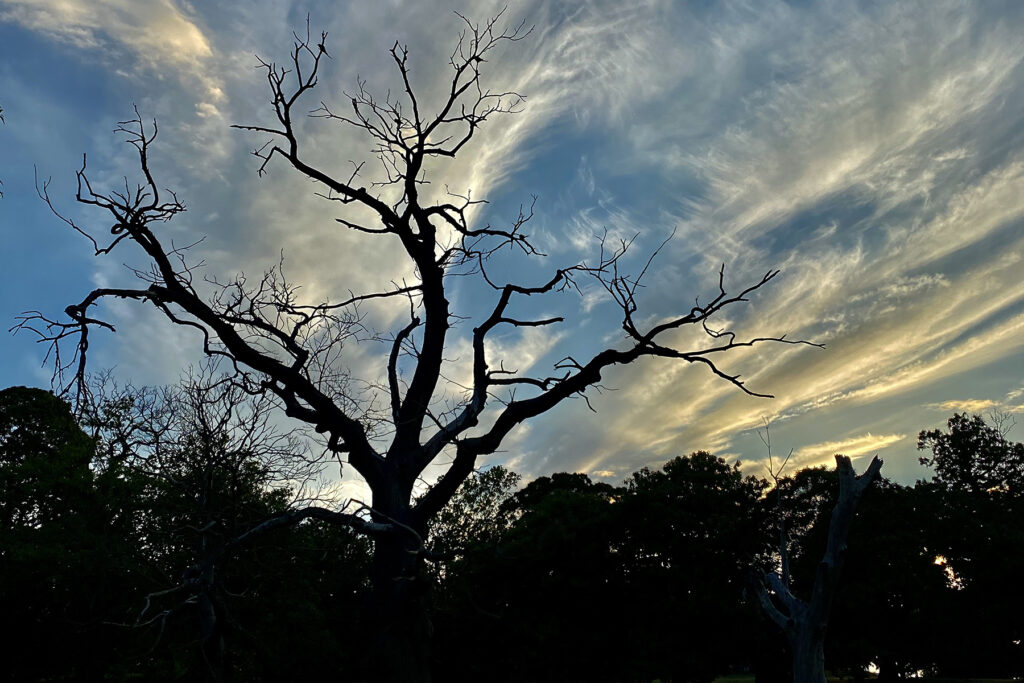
(975, 406)
(822, 453)
(157, 32)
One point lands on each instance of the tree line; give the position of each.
(563, 579)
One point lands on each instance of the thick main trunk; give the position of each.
(808, 656)
(399, 623)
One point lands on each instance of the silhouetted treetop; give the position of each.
(973, 456)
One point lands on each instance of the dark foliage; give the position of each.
(977, 497)
(57, 565)
(566, 579)
(601, 583)
(974, 457)
(98, 529)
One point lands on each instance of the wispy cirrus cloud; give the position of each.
(872, 167)
(819, 454)
(132, 34)
(152, 28)
(1009, 404)
(869, 151)
(975, 406)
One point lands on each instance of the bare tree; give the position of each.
(280, 345)
(806, 622)
(775, 469)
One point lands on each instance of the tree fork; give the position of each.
(805, 622)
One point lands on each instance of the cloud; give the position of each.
(156, 33)
(148, 26)
(818, 454)
(974, 406)
(867, 151)
(982, 406)
(900, 169)
(845, 117)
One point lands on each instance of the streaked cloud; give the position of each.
(147, 26)
(818, 454)
(898, 160)
(154, 34)
(1009, 405)
(871, 152)
(974, 406)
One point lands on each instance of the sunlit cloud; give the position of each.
(985, 407)
(974, 406)
(870, 153)
(819, 454)
(857, 286)
(154, 33)
(148, 26)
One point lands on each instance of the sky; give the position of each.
(872, 152)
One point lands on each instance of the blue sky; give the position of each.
(874, 152)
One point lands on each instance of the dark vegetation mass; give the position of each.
(563, 579)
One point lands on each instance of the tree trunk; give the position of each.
(805, 623)
(399, 623)
(808, 647)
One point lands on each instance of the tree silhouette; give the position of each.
(281, 345)
(692, 532)
(977, 495)
(805, 622)
(893, 605)
(58, 559)
(974, 457)
(203, 463)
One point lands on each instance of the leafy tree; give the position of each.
(291, 348)
(692, 532)
(978, 489)
(921, 592)
(893, 605)
(551, 587)
(61, 574)
(101, 524)
(470, 537)
(605, 583)
(199, 464)
(973, 457)
(478, 515)
(797, 512)
(44, 458)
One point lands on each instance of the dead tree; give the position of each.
(805, 622)
(290, 348)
